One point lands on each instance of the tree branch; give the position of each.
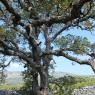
(90, 62)
(11, 51)
(29, 61)
(50, 20)
(59, 32)
(61, 53)
(58, 19)
(17, 18)
(62, 19)
(75, 23)
(8, 50)
(2, 65)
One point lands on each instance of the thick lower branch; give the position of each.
(89, 62)
(66, 55)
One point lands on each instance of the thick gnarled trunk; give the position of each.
(35, 86)
(43, 62)
(42, 87)
(44, 82)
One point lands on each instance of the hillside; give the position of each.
(17, 78)
(15, 81)
(14, 78)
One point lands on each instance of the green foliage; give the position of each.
(2, 33)
(27, 82)
(64, 41)
(67, 84)
(11, 35)
(76, 44)
(7, 34)
(63, 85)
(2, 77)
(52, 7)
(86, 81)
(93, 47)
(88, 25)
(80, 45)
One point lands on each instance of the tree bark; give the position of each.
(35, 86)
(44, 81)
(41, 89)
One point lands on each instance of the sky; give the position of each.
(63, 64)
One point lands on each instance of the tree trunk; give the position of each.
(35, 86)
(41, 89)
(44, 82)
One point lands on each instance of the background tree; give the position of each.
(3, 65)
(32, 28)
(62, 85)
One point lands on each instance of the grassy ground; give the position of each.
(84, 81)
(10, 87)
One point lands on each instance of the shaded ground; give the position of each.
(90, 90)
(4, 92)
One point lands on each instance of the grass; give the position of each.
(87, 82)
(10, 87)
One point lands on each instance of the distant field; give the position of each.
(14, 78)
(14, 81)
